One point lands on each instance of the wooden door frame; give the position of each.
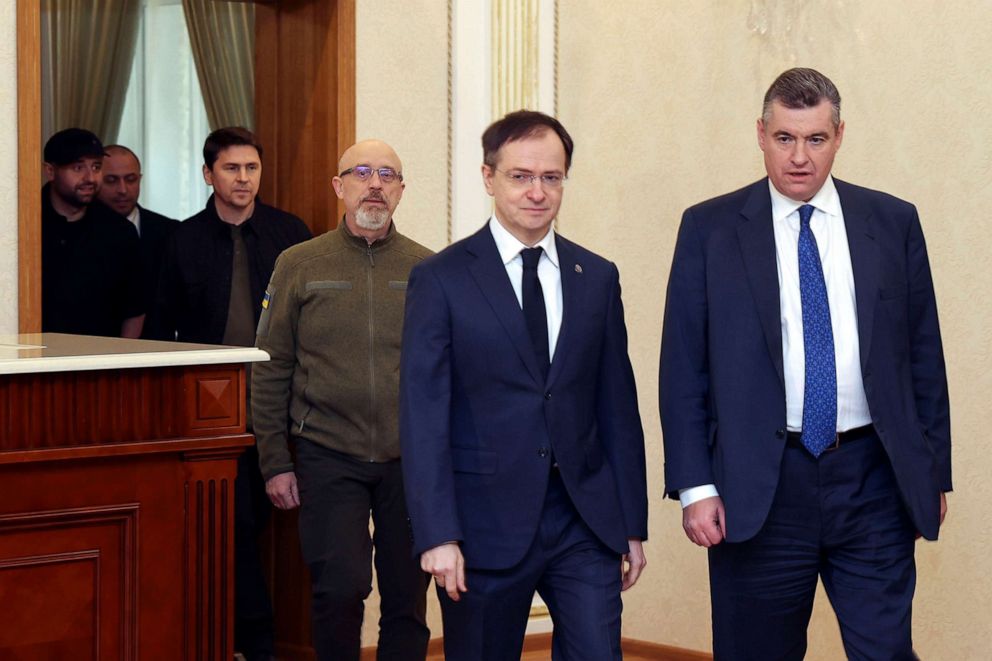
(29, 153)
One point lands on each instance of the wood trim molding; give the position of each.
(28, 166)
(346, 92)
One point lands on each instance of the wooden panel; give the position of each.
(29, 166)
(209, 554)
(215, 400)
(67, 409)
(73, 576)
(304, 103)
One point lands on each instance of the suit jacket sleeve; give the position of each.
(271, 381)
(683, 388)
(619, 420)
(425, 409)
(927, 354)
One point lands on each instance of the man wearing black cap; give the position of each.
(88, 252)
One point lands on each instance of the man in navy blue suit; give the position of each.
(803, 394)
(523, 454)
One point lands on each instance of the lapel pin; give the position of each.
(578, 268)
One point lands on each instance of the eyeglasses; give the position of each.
(364, 173)
(522, 179)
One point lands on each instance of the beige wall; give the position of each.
(8, 165)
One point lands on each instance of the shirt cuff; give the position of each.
(693, 494)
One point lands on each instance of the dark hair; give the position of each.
(230, 136)
(519, 125)
(802, 88)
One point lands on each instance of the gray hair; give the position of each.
(802, 88)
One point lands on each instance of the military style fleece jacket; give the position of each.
(332, 320)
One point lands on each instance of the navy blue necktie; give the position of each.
(535, 313)
(820, 393)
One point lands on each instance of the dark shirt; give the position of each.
(194, 289)
(87, 271)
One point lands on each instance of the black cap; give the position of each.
(69, 145)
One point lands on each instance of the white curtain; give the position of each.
(165, 121)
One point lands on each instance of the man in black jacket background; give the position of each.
(213, 277)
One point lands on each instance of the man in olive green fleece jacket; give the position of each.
(332, 323)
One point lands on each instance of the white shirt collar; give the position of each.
(509, 246)
(135, 218)
(826, 200)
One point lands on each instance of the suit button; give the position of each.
(779, 433)
(547, 395)
(542, 452)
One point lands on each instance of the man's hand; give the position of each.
(704, 522)
(943, 507)
(447, 565)
(282, 491)
(635, 561)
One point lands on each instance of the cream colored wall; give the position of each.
(662, 97)
(8, 165)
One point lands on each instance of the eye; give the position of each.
(817, 140)
(551, 179)
(784, 139)
(519, 177)
(362, 172)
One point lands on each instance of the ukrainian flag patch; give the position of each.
(265, 301)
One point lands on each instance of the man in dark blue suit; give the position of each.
(803, 395)
(523, 454)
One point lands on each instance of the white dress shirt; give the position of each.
(830, 232)
(548, 272)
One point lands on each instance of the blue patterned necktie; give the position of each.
(820, 394)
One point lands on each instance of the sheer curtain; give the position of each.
(164, 120)
(223, 39)
(86, 51)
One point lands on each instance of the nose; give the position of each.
(375, 181)
(799, 155)
(535, 190)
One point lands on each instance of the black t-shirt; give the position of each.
(90, 271)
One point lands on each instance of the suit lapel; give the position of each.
(490, 275)
(864, 262)
(757, 238)
(571, 292)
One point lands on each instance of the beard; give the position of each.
(371, 219)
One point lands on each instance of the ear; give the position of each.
(338, 187)
(760, 125)
(487, 177)
(840, 133)
(49, 171)
(208, 176)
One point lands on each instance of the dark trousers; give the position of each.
(576, 575)
(337, 492)
(253, 630)
(839, 518)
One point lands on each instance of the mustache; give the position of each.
(378, 197)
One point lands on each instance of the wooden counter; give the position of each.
(117, 466)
